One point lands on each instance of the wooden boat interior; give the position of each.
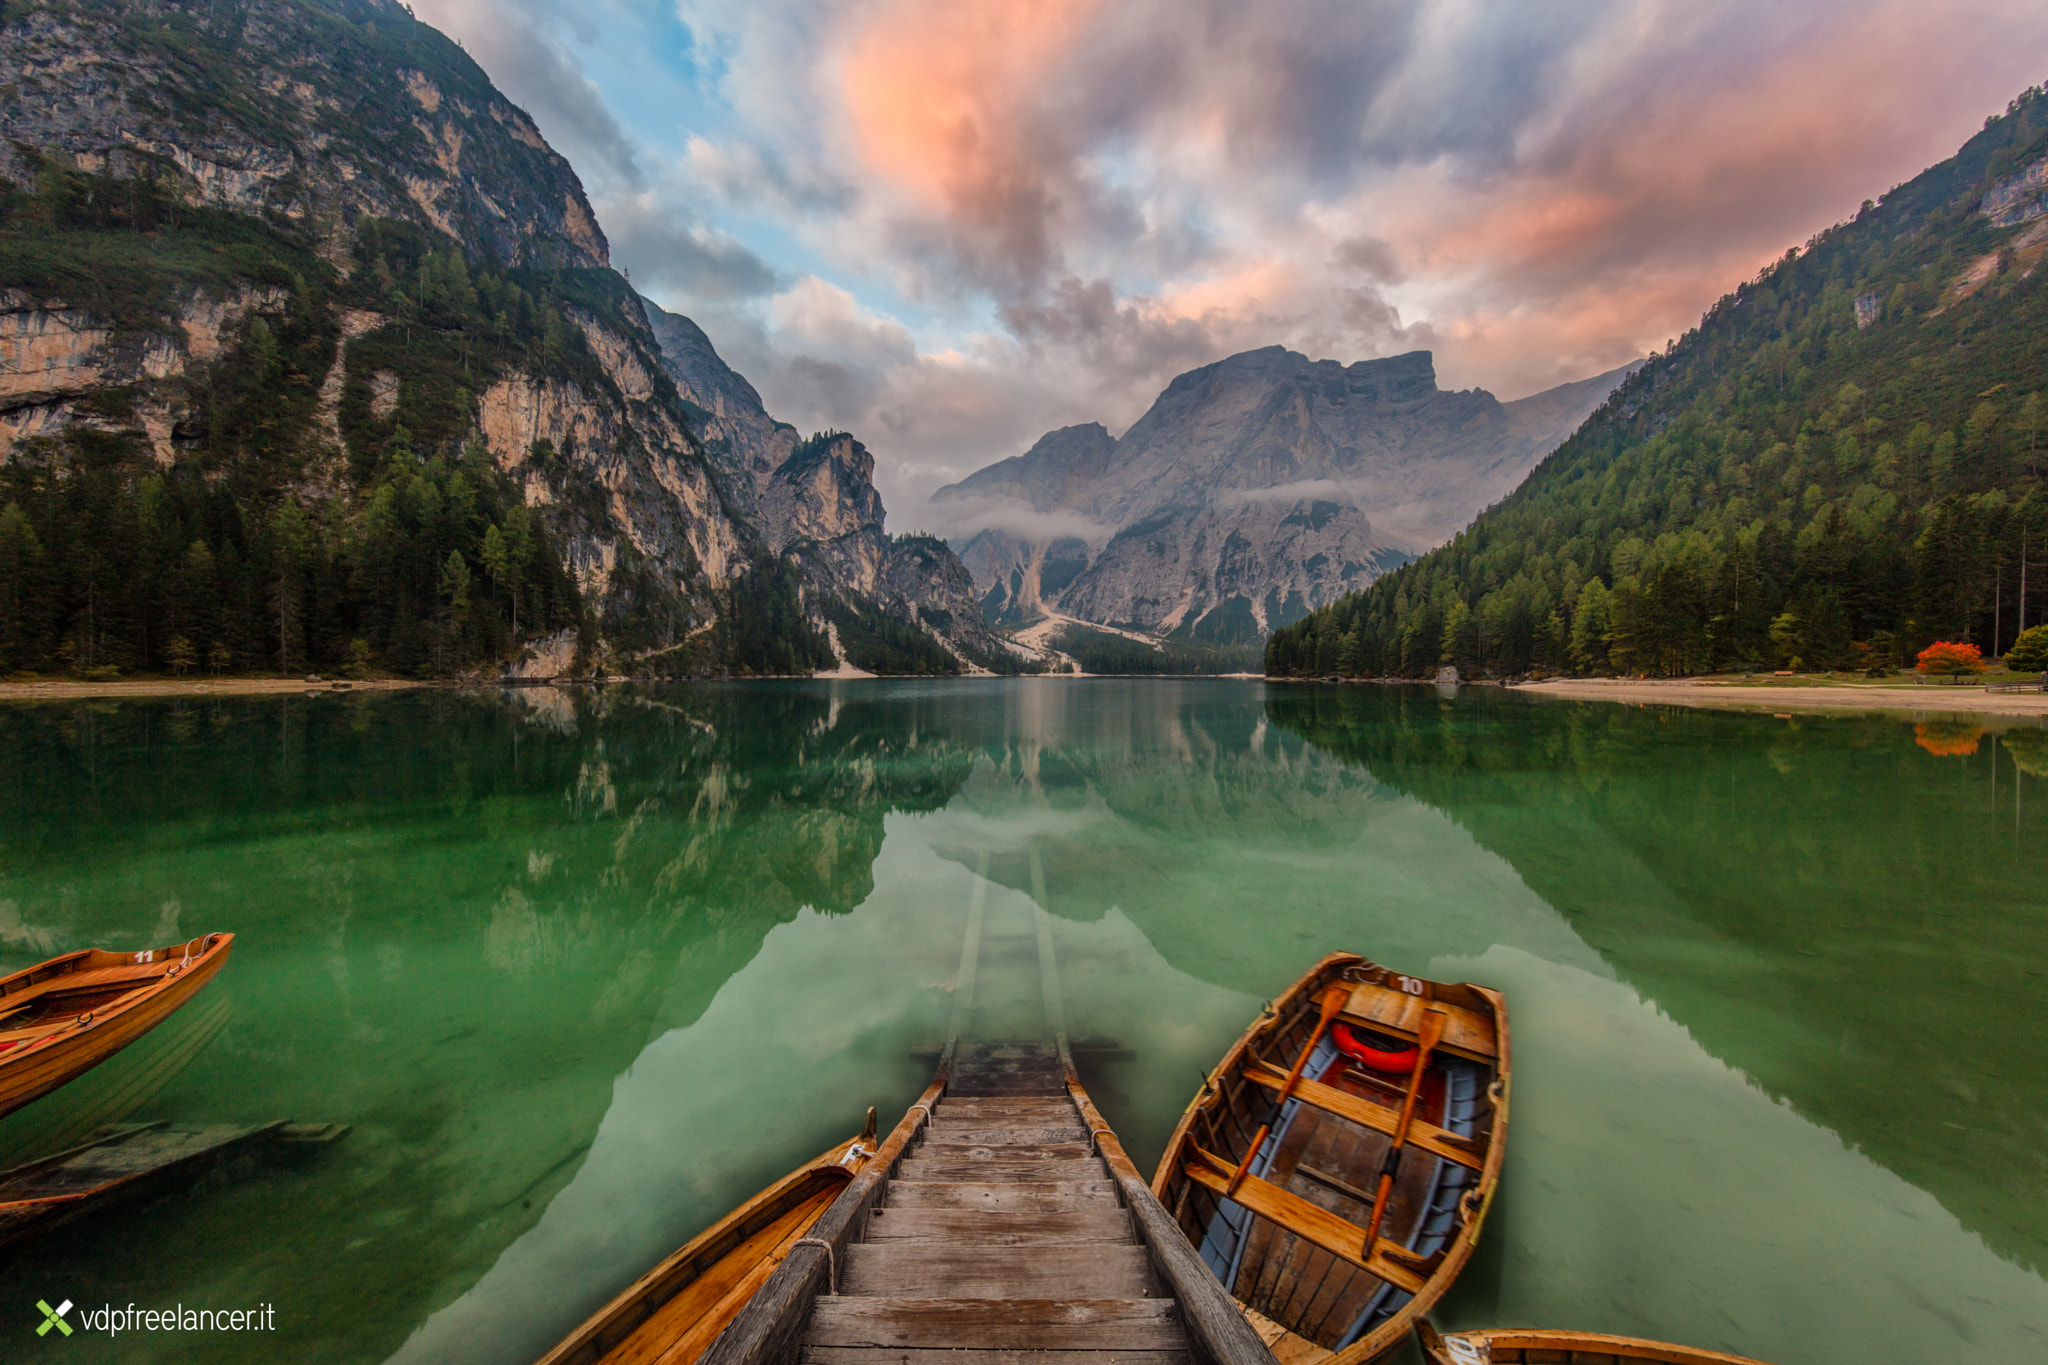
(670, 1314)
(1280, 1197)
(65, 991)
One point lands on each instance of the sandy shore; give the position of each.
(70, 689)
(1778, 698)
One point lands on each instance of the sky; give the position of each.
(950, 226)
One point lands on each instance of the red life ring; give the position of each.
(1376, 1051)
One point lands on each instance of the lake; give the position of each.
(584, 969)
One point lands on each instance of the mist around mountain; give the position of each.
(1840, 465)
(312, 359)
(1253, 491)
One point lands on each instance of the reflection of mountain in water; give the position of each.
(1844, 922)
(455, 925)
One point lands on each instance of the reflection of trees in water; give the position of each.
(1949, 738)
(1822, 904)
(459, 917)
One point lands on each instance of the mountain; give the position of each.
(1252, 491)
(1840, 465)
(311, 357)
(814, 505)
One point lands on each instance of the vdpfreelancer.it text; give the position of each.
(113, 1321)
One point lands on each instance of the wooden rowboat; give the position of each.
(1529, 1346)
(670, 1314)
(1334, 1185)
(65, 1016)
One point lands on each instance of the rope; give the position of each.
(831, 1261)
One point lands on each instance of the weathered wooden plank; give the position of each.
(771, 1326)
(897, 1355)
(967, 1151)
(1043, 1196)
(1015, 1104)
(1005, 1227)
(958, 1270)
(1216, 1329)
(1029, 1324)
(997, 1169)
(1004, 1135)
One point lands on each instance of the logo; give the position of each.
(54, 1317)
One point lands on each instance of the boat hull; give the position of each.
(111, 1014)
(1519, 1346)
(1276, 1185)
(675, 1310)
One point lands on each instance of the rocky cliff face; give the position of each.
(814, 502)
(311, 239)
(1252, 491)
(321, 111)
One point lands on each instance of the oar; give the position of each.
(1333, 999)
(1432, 1033)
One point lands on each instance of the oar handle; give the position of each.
(1331, 1003)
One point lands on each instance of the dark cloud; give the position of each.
(1370, 257)
(650, 235)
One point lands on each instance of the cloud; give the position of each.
(677, 256)
(951, 225)
(960, 516)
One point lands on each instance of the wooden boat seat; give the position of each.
(97, 978)
(1427, 1136)
(1310, 1222)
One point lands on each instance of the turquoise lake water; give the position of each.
(583, 970)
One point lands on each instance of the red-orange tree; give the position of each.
(1946, 658)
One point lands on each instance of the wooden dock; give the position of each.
(1001, 1223)
(1000, 1231)
(125, 1161)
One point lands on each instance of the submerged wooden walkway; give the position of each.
(1001, 1223)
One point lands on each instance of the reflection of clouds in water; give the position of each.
(1650, 1189)
(18, 933)
(784, 1061)
(1653, 1190)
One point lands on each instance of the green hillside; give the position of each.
(1842, 463)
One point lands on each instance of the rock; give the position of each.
(1252, 491)
(661, 479)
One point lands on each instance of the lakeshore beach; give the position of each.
(1780, 697)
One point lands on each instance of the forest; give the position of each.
(1840, 465)
(248, 552)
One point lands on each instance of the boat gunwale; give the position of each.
(37, 1066)
(1565, 1339)
(669, 1276)
(1479, 1199)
